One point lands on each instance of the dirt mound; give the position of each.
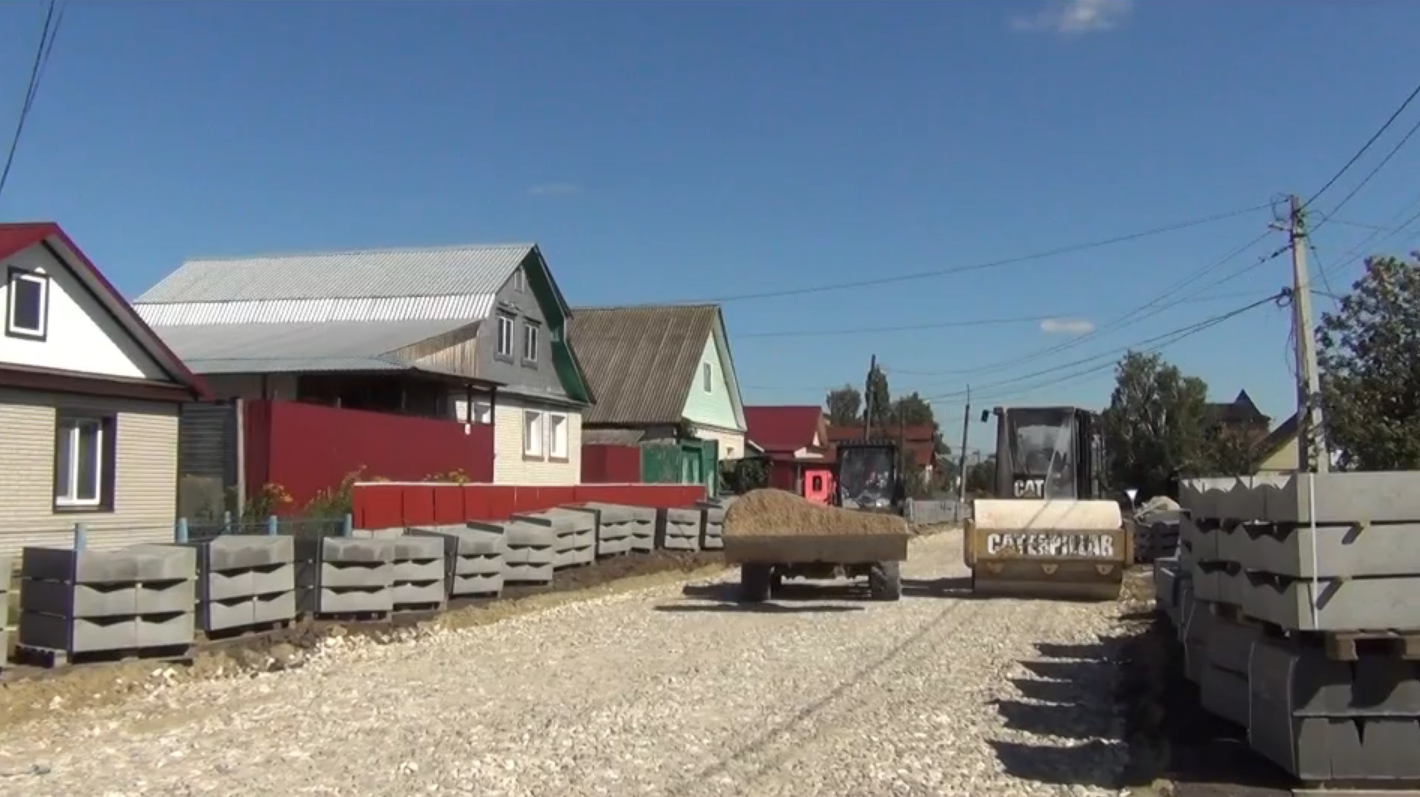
(761, 512)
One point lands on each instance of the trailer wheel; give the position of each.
(755, 582)
(885, 581)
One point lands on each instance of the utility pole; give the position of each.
(1312, 451)
(961, 467)
(868, 399)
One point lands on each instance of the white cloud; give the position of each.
(554, 189)
(1072, 17)
(1067, 326)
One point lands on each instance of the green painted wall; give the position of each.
(713, 407)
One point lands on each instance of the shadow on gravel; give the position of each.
(1170, 737)
(752, 608)
(792, 598)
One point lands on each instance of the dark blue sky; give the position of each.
(675, 150)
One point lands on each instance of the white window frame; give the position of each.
(505, 335)
(707, 378)
(531, 335)
(534, 434)
(11, 328)
(482, 412)
(559, 436)
(71, 437)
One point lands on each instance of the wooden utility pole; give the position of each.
(1312, 452)
(868, 399)
(961, 467)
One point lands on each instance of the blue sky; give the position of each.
(681, 150)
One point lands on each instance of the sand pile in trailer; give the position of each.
(765, 512)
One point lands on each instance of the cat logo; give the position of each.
(1029, 488)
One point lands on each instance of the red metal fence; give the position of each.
(610, 464)
(379, 505)
(307, 448)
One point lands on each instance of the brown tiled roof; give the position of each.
(640, 361)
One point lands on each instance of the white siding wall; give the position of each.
(732, 444)
(81, 336)
(509, 464)
(145, 481)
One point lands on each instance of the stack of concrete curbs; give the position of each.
(6, 569)
(712, 522)
(245, 581)
(1308, 638)
(418, 571)
(678, 529)
(132, 601)
(575, 535)
(473, 559)
(530, 549)
(612, 525)
(344, 577)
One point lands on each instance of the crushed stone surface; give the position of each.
(671, 690)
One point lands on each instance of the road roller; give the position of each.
(1049, 531)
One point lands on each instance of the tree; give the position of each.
(1369, 357)
(1231, 452)
(981, 477)
(1156, 424)
(845, 406)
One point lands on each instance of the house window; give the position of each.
(483, 413)
(533, 438)
(817, 484)
(520, 281)
(505, 336)
(557, 437)
(530, 336)
(27, 305)
(706, 377)
(83, 462)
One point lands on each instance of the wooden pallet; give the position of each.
(50, 659)
(240, 632)
(1338, 645)
(350, 617)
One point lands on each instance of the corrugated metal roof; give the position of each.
(358, 274)
(285, 348)
(283, 311)
(640, 361)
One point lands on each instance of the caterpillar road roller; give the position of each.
(1049, 531)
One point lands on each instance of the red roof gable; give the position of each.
(15, 238)
(783, 428)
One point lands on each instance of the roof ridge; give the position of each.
(703, 306)
(379, 250)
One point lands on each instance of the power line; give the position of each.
(1154, 343)
(1140, 313)
(975, 322)
(1362, 151)
(942, 272)
(1131, 318)
(53, 17)
(1372, 173)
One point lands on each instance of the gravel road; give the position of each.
(671, 691)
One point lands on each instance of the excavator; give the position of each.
(1050, 531)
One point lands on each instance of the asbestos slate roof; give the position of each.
(356, 274)
(640, 361)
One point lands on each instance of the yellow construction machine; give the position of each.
(1049, 532)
